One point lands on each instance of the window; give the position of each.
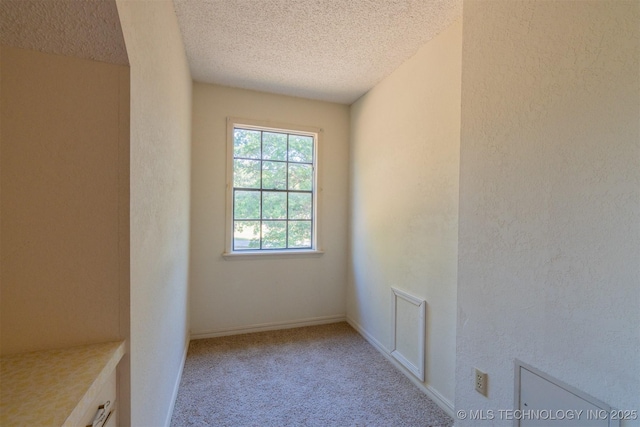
(272, 182)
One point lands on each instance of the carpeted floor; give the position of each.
(324, 375)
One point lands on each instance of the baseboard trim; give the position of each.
(176, 386)
(311, 321)
(432, 393)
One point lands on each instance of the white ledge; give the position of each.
(272, 254)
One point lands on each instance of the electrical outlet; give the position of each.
(481, 382)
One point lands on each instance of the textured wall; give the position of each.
(550, 198)
(404, 200)
(64, 209)
(240, 292)
(160, 166)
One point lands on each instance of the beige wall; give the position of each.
(550, 199)
(239, 293)
(64, 200)
(160, 164)
(404, 202)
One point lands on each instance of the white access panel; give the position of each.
(409, 331)
(546, 402)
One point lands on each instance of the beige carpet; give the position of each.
(324, 375)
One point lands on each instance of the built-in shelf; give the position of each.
(55, 387)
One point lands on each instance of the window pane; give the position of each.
(246, 143)
(300, 234)
(273, 189)
(300, 206)
(300, 177)
(274, 234)
(274, 146)
(246, 205)
(300, 148)
(246, 235)
(246, 173)
(274, 205)
(274, 176)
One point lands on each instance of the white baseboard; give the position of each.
(176, 386)
(432, 393)
(268, 326)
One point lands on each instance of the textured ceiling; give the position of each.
(88, 29)
(332, 50)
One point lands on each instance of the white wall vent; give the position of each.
(544, 401)
(409, 331)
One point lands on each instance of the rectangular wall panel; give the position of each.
(408, 331)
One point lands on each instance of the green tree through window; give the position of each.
(273, 189)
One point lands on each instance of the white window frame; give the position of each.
(232, 123)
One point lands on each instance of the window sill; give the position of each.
(305, 253)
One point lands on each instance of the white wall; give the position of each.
(232, 295)
(404, 201)
(64, 247)
(549, 242)
(160, 191)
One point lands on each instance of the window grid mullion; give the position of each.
(261, 187)
(274, 190)
(278, 219)
(287, 189)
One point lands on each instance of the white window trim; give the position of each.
(316, 250)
